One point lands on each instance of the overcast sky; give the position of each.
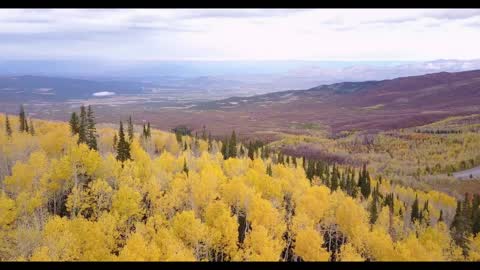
(240, 34)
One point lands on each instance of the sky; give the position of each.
(239, 34)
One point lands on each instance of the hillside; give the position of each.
(373, 105)
(182, 198)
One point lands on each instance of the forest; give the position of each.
(83, 191)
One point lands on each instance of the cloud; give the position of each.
(239, 13)
(103, 94)
(439, 15)
(248, 34)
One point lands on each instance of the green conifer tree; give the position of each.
(123, 148)
(415, 215)
(74, 123)
(130, 129)
(83, 126)
(8, 128)
(91, 130)
(185, 168)
(31, 128)
(269, 169)
(22, 119)
(232, 146)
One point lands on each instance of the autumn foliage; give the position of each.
(177, 199)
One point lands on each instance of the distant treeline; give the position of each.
(439, 131)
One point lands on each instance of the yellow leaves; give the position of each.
(410, 249)
(166, 162)
(136, 249)
(383, 220)
(42, 254)
(259, 246)
(268, 187)
(474, 248)
(193, 217)
(99, 196)
(142, 161)
(188, 228)
(170, 247)
(348, 253)
(351, 218)
(222, 228)
(7, 211)
(235, 167)
(308, 246)
(76, 239)
(58, 242)
(26, 176)
(126, 202)
(236, 193)
(379, 245)
(314, 202)
(205, 186)
(261, 213)
(55, 141)
(92, 201)
(171, 144)
(86, 160)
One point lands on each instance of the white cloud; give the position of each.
(247, 34)
(103, 94)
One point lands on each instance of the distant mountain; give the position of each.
(371, 105)
(220, 79)
(364, 72)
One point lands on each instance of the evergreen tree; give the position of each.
(459, 228)
(210, 145)
(364, 182)
(426, 213)
(91, 130)
(123, 148)
(31, 128)
(178, 135)
(232, 146)
(242, 151)
(373, 210)
(196, 144)
(415, 210)
(74, 123)
(23, 127)
(334, 180)
(310, 170)
(115, 141)
(204, 133)
(476, 214)
(251, 151)
(476, 222)
(185, 168)
(149, 132)
(8, 128)
(83, 126)
(130, 129)
(26, 126)
(269, 169)
(225, 149)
